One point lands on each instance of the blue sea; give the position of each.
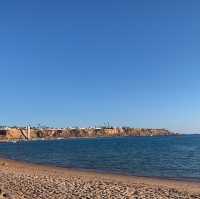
(176, 157)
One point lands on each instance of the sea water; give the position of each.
(165, 157)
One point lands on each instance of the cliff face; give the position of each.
(13, 134)
(66, 133)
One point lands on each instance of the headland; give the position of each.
(27, 133)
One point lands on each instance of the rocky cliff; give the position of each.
(11, 134)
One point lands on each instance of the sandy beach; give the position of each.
(22, 180)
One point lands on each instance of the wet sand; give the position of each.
(22, 180)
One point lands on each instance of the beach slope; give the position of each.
(21, 180)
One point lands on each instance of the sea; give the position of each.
(171, 157)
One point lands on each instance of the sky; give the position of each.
(82, 63)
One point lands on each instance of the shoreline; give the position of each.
(42, 175)
(101, 172)
(83, 137)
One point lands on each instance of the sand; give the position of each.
(22, 180)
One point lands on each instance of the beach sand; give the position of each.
(22, 180)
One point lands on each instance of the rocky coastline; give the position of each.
(52, 133)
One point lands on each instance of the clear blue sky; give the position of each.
(81, 63)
